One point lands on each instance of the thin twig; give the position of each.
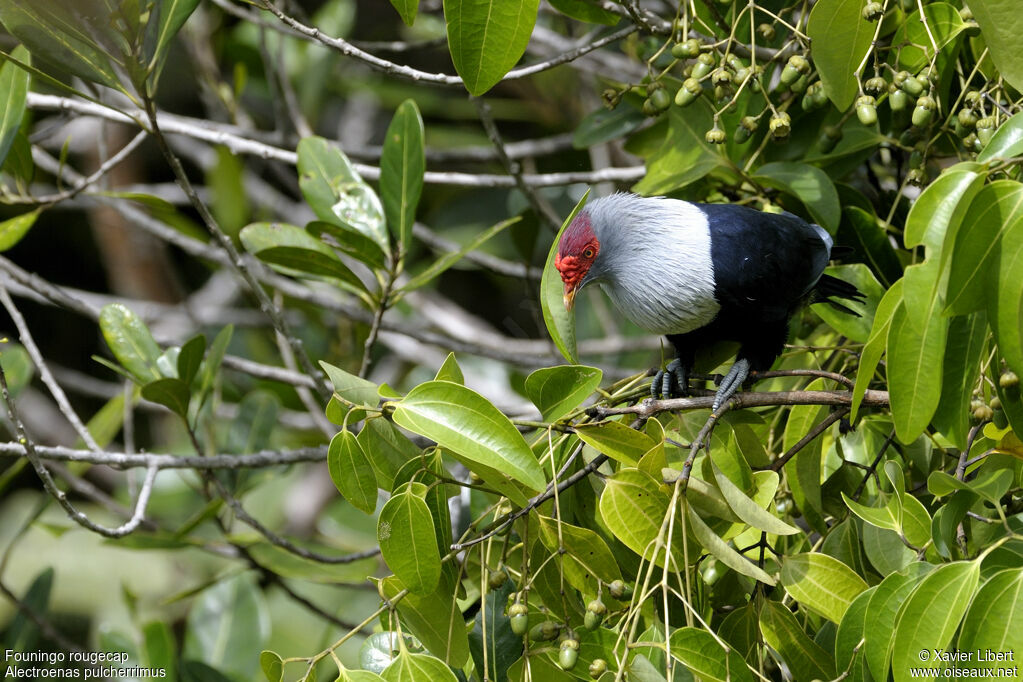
(817, 430)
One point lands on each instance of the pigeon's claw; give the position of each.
(736, 376)
(670, 382)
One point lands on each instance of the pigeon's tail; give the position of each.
(829, 288)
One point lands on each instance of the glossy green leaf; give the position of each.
(995, 619)
(379, 650)
(586, 558)
(13, 93)
(1004, 292)
(351, 471)
(560, 322)
(190, 358)
(172, 15)
(809, 184)
(876, 344)
(995, 210)
(272, 666)
(885, 549)
(336, 192)
(556, 391)
(492, 643)
(883, 609)
(465, 422)
(633, 508)
(821, 583)
(722, 551)
(783, 633)
(703, 654)
(224, 619)
(990, 484)
(448, 259)
(930, 616)
(418, 668)
(862, 230)
(450, 371)
(407, 10)
(685, 156)
(886, 516)
(348, 240)
(487, 37)
(296, 252)
(74, 38)
(603, 125)
(130, 341)
(804, 470)
(616, 440)
(851, 631)
(13, 229)
(1001, 24)
(434, 618)
(352, 389)
(584, 11)
(747, 509)
(840, 38)
(943, 25)
(960, 370)
(159, 650)
(403, 161)
(407, 542)
(170, 392)
(914, 369)
(390, 448)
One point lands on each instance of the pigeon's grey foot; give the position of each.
(670, 382)
(731, 383)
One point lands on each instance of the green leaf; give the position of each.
(584, 11)
(493, 644)
(289, 565)
(159, 651)
(885, 549)
(351, 471)
(390, 448)
(466, 423)
(172, 16)
(556, 391)
(272, 665)
(883, 608)
(13, 229)
(704, 654)
(1007, 141)
(960, 369)
(403, 161)
(22, 633)
(347, 239)
(887, 516)
(852, 629)
(418, 668)
(350, 388)
(408, 543)
(603, 125)
(448, 259)
(13, 93)
(171, 392)
(67, 37)
(190, 358)
(996, 208)
(862, 229)
(804, 470)
(296, 252)
(130, 341)
(821, 583)
(991, 484)
(720, 549)
(214, 356)
(560, 322)
(782, 632)
(995, 619)
(840, 38)
(616, 440)
(434, 618)
(586, 558)
(748, 510)
(1004, 292)
(685, 156)
(943, 24)
(914, 369)
(809, 184)
(876, 344)
(930, 616)
(487, 37)
(227, 618)
(407, 10)
(633, 508)
(336, 192)
(1001, 26)
(450, 371)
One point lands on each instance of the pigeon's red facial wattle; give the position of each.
(576, 252)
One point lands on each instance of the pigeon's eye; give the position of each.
(588, 253)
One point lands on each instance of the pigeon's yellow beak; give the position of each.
(569, 299)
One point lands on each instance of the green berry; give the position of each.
(999, 419)
(619, 590)
(995, 403)
(783, 506)
(715, 136)
(597, 668)
(912, 86)
(661, 99)
(898, 100)
(985, 130)
(875, 86)
(1008, 379)
(704, 65)
(983, 414)
(545, 632)
(923, 112)
(747, 126)
(972, 99)
(866, 110)
(518, 614)
(766, 30)
(688, 93)
(967, 118)
(721, 77)
(569, 654)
